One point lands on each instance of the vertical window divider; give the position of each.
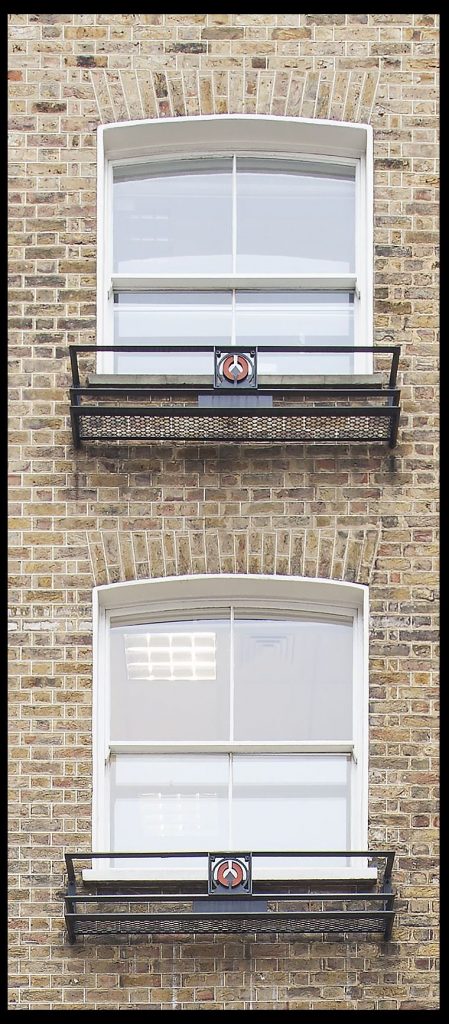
(231, 677)
(233, 325)
(234, 244)
(230, 800)
(234, 214)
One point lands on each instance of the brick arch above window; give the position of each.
(342, 554)
(138, 94)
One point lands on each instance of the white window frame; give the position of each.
(237, 134)
(139, 601)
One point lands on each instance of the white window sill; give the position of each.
(350, 874)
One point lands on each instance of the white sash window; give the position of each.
(230, 714)
(235, 230)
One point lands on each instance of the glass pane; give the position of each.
(173, 219)
(295, 218)
(297, 318)
(291, 802)
(168, 802)
(293, 679)
(170, 318)
(170, 681)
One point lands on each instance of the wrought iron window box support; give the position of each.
(258, 409)
(262, 907)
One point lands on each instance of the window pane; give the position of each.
(293, 680)
(291, 802)
(295, 217)
(170, 681)
(170, 318)
(173, 219)
(168, 802)
(297, 318)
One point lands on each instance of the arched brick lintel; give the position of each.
(139, 94)
(343, 554)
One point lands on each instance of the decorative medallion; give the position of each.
(230, 874)
(235, 368)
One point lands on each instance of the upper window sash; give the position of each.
(247, 136)
(238, 187)
(218, 670)
(144, 602)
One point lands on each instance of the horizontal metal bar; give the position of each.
(224, 853)
(192, 410)
(151, 439)
(207, 389)
(180, 897)
(222, 439)
(335, 349)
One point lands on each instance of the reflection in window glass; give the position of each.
(295, 218)
(159, 656)
(219, 801)
(170, 681)
(293, 679)
(171, 318)
(292, 217)
(169, 802)
(297, 318)
(173, 219)
(291, 802)
(261, 318)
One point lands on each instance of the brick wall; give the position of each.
(81, 518)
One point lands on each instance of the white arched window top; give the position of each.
(230, 713)
(234, 230)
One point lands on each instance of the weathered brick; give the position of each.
(88, 518)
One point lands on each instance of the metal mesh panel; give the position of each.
(177, 924)
(343, 427)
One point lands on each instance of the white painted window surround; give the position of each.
(201, 728)
(224, 296)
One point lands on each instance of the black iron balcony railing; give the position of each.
(230, 899)
(235, 401)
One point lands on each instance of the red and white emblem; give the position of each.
(230, 873)
(235, 367)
